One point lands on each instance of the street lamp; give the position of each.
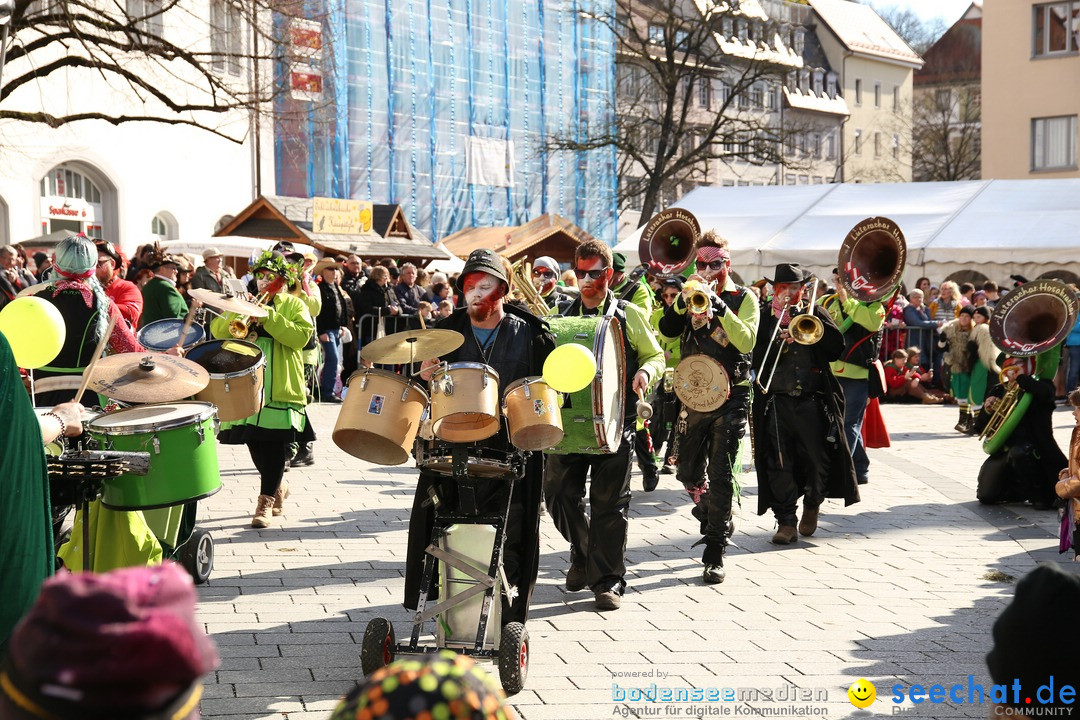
(7, 9)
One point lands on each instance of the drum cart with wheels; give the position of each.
(467, 546)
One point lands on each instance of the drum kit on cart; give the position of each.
(157, 453)
(451, 426)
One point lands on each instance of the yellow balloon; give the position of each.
(569, 368)
(35, 330)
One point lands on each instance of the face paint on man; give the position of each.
(593, 289)
(791, 291)
(483, 295)
(268, 282)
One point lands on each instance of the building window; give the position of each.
(877, 144)
(727, 27)
(804, 179)
(705, 92)
(896, 146)
(817, 146)
(727, 183)
(146, 16)
(62, 182)
(165, 227)
(830, 146)
(1055, 28)
(757, 96)
(943, 99)
(818, 79)
(896, 98)
(877, 94)
(725, 91)
(225, 37)
(789, 179)
(656, 34)
(830, 84)
(770, 98)
(858, 141)
(1053, 143)
(743, 29)
(799, 41)
(858, 91)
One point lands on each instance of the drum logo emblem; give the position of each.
(538, 407)
(375, 406)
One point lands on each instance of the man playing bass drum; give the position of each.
(709, 441)
(799, 443)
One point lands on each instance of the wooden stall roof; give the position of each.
(548, 234)
(277, 217)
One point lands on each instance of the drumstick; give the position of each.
(97, 354)
(189, 319)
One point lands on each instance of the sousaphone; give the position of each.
(872, 259)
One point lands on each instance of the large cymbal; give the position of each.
(148, 377)
(412, 346)
(228, 303)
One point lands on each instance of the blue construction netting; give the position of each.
(450, 105)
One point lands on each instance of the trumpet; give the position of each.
(698, 301)
(241, 327)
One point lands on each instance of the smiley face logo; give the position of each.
(862, 693)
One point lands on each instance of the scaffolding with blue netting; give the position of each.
(446, 107)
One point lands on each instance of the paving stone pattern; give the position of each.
(892, 589)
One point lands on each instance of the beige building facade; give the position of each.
(874, 70)
(1031, 89)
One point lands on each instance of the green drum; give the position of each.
(181, 438)
(592, 418)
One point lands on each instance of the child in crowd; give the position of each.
(902, 382)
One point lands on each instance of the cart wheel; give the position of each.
(513, 657)
(197, 555)
(378, 647)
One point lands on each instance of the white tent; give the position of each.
(231, 245)
(996, 227)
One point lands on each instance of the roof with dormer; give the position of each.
(862, 31)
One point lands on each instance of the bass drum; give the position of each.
(592, 418)
(164, 335)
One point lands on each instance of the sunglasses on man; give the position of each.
(714, 265)
(594, 274)
(542, 272)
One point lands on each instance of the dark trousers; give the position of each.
(796, 460)
(269, 459)
(597, 544)
(646, 458)
(856, 393)
(1015, 475)
(708, 451)
(666, 414)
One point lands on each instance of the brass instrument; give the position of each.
(872, 259)
(1031, 320)
(698, 300)
(241, 327)
(668, 242)
(804, 328)
(522, 288)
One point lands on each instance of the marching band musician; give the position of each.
(709, 441)
(515, 343)
(799, 444)
(1028, 467)
(861, 324)
(282, 419)
(85, 308)
(545, 278)
(598, 546)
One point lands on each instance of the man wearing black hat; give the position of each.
(709, 439)
(161, 299)
(598, 543)
(799, 444)
(515, 343)
(110, 274)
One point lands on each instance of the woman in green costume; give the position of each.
(25, 519)
(282, 420)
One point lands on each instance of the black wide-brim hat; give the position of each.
(482, 260)
(790, 273)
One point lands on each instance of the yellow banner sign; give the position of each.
(342, 217)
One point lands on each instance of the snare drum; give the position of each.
(533, 414)
(380, 416)
(236, 377)
(181, 439)
(483, 462)
(464, 402)
(164, 335)
(592, 418)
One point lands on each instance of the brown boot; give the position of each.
(786, 535)
(808, 523)
(279, 498)
(263, 512)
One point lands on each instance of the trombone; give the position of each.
(804, 328)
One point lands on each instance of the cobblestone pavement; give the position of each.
(900, 588)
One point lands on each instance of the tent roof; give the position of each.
(979, 222)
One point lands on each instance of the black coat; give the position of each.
(334, 313)
(373, 300)
(520, 349)
(841, 481)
